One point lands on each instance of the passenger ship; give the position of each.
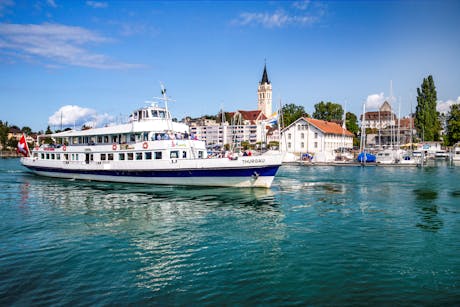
(149, 149)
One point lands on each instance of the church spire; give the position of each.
(265, 76)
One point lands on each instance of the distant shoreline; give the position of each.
(4, 154)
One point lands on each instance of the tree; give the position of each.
(291, 113)
(426, 118)
(3, 133)
(352, 123)
(453, 125)
(26, 130)
(328, 111)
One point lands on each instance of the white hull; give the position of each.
(256, 171)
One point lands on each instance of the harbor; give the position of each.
(320, 235)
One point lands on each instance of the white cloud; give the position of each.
(4, 4)
(273, 20)
(97, 4)
(444, 106)
(51, 3)
(301, 5)
(374, 101)
(73, 115)
(56, 43)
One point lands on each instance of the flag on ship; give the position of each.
(23, 148)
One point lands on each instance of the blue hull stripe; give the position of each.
(228, 172)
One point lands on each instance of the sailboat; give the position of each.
(364, 157)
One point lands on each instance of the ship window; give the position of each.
(52, 156)
(114, 139)
(154, 113)
(109, 156)
(161, 114)
(103, 157)
(99, 139)
(58, 156)
(174, 154)
(184, 154)
(47, 156)
(148, 155)
(130, 156)
(121, 156)
(138, 155)
(42, 156)
(66, 156)
(106, 138)
(200, 154)
(35, 155)
(158, 155)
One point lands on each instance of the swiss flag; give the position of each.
(23, 148)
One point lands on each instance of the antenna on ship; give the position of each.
(165, 98)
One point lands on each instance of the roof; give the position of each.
(252, 115)
(328, 127)
(265, 76)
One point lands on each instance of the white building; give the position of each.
(317, 137)
(244, 125)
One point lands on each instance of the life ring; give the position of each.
(145, 145)
(114, 146)
(64, 148)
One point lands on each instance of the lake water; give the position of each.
(319, 236)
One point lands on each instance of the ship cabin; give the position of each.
(150, 134)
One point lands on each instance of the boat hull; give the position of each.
(236, 175)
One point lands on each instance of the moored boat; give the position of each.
(150, 149)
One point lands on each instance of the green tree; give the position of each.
(426, 118)
(4, 134)
(453, 126)
(352, 123)
(291, 112)
(26, 130)
(328, 111)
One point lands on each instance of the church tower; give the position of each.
(265, 94)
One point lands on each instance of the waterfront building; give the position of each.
(241, 125)
(316, 137)
(381, 119)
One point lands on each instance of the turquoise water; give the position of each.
(319, 236)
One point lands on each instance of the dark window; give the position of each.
(148, 155)
(138, 155)
(158, 155)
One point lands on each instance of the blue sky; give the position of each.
(100, 60)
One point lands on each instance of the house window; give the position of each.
(316, 135)
(316, 144)
(302, 145)
(289, 144)
(289, 136)
(302, 136)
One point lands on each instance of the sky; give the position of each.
(97, 61)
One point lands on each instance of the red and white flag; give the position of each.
(23, 148)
